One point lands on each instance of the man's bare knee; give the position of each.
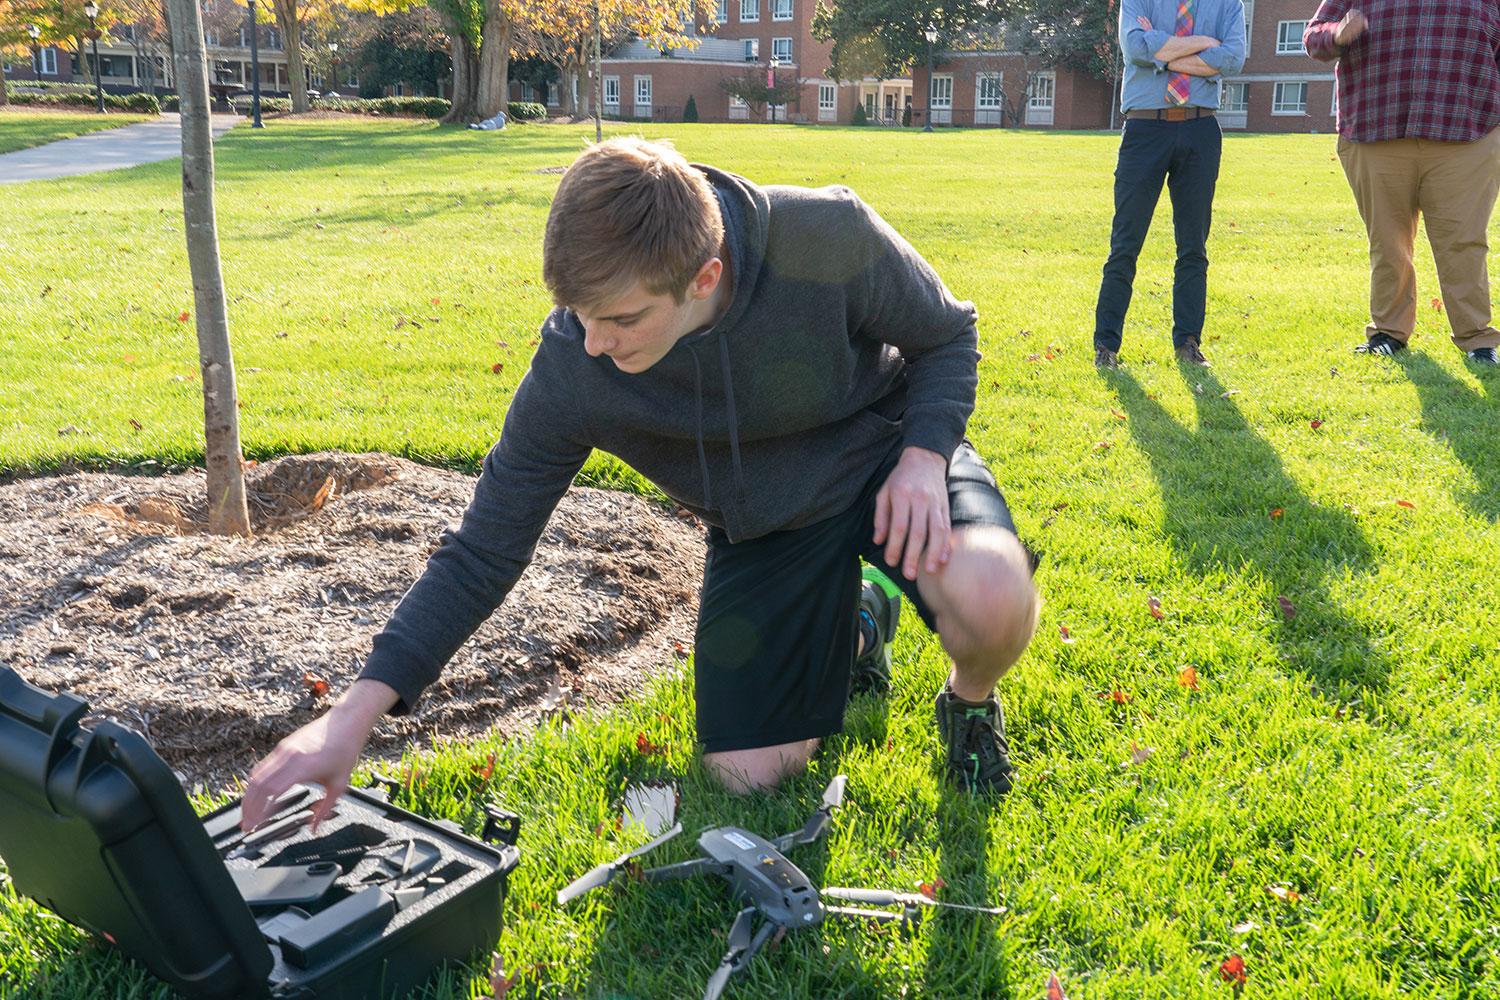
(987, 606)
(759, 769)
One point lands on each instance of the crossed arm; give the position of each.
(1180, 52)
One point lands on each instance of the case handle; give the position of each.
(56, 715)
(500, 826)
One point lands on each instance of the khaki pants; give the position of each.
(1453, 185)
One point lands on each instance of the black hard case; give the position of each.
(95, 827)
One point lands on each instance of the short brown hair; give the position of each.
(629, 210)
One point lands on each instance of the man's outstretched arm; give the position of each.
(323, 752)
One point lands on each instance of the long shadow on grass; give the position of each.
(288, 149)
(1467, 419)
(965, 953)
(1220, 485)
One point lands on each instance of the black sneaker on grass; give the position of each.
(1484, 356)
(1382, 343)
(879, 614)
(974, 735)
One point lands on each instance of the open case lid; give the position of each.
(95, 827)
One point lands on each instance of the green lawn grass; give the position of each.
(22, 129)
(1341, 753)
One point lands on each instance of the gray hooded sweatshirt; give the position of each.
(839, 347)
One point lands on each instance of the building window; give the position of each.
(1289, 38)
(643, 91)
(273, 38)
(749, 10)
(612, 91)
(827, 97)
(752, 50)
(1249, 17)
(721, 12)
(987, 90)
(942, 91)
(781, 10)
(1040, 97)
(1236, 98)
(781, 49)
(45, 63)
(528, 93)
(1290, 99)
(554, 96)
(399, 90)
(737, 102)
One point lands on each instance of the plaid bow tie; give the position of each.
(1177, 83)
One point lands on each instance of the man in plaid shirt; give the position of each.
(1419, 102)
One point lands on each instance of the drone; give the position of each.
(760, 874)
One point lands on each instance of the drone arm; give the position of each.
(881, 916)
(685, 869)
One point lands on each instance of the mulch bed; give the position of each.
(214, 647)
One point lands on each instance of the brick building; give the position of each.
(1279, 89)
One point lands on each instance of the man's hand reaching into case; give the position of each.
(323, 752)
(911, 513)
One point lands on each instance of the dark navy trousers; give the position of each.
(1185, 155)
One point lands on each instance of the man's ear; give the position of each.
(707, 279)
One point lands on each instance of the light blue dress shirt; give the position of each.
(1145, 81)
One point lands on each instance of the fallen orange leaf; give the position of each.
(1405, 503)
(1188, 677)
(1155, 607)
(1065, 635)
(1054, 988)
(1287, 608)
(1283, 894)
(1232, 970)
(1277, 512)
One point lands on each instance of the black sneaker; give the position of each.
(1382, 343)
(879, 614)
(1106, 359)
(1484, 356)
(1188, 354)
(974, 734)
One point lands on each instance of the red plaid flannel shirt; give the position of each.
(1423, 69)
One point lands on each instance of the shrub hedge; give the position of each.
(525, 111)
(144, 104)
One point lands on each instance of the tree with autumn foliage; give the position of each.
(562, 32)
(15, 39)
(883, 38)
(65, 26)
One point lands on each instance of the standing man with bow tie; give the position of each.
(1175, 53)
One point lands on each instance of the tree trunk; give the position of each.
(291, 37)
(492, 95)
(4, 93)
(465, 79)
(227, 512)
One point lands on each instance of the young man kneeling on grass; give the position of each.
(783, 364)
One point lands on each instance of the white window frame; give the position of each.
(749, 11)
(940, 98)
(828, 97)
(752, 49)
(781, 10)
(398, 89)
(1041, 98)
(554, 95)
(721, 12)
(45, 63)
(7, 67)
(781, 49)
(1235, 107)
(643, 90)
(1279, 103)
(1289, 38)
(737, 102)
(738, 109)
(612, 83)
(989, 108)
(1249, 19)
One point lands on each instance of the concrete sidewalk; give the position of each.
(111, 149)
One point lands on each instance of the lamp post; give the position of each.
(931, 35)
(92, 10)
(254, 71)
(771, 86)
(333, 59)
(36, 46)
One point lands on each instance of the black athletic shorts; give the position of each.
(778, 619)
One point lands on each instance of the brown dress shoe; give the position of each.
(1189, 354)
(1105, 358)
